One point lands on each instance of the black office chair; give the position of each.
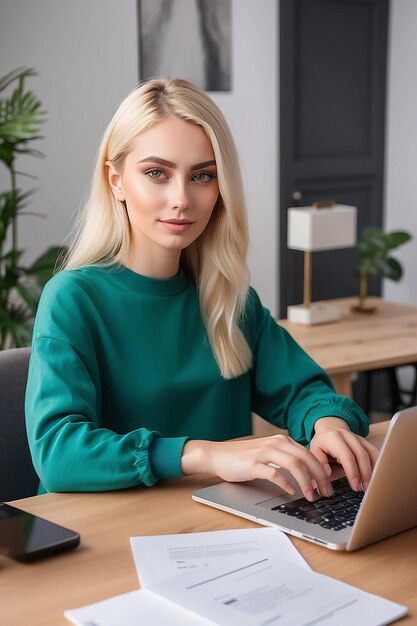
(399, 396)
(18, 478)
(407, 396)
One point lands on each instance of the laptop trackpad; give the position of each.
(269, 495)
(274, 495)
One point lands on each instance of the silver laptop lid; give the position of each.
(390, 502)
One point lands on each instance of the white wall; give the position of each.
(401, 144)
(86, 54)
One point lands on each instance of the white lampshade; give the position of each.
(312, 229)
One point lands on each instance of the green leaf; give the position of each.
(7, 259)
(16, 321)
(364, 249)
(30, 296)
(19, 73)
(374, 238)
(43, 216)
(11, 204)
(26, 175)
(370, 232)
(20, 116)
(389, 268)
(43, 268)
(372, 266)
(10, 278)
(6, 153)
(27, 127)
(31, 152)
(397, 238)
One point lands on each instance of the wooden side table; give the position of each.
(359, 342)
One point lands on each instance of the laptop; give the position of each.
(348, 520)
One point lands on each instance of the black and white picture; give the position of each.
(188, 39)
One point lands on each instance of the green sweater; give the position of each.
(122, 374)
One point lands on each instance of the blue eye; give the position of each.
(203, 177)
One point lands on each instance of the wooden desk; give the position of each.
(358, 341)
(38, 593)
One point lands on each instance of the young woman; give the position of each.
(150, 350)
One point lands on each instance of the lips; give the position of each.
(176, 221)
(176, 225)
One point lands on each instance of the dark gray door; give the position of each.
(332, 120)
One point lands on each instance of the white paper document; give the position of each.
(164, 556)
(253, 577)
(136, 608)
(268, 592)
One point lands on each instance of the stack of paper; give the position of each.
(239, 577)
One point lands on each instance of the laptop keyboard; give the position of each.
(337, 512)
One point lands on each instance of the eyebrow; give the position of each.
(155, 159)
(198, 166)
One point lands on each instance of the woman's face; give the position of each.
(170, 187)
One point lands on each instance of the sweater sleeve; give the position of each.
(70, 449)
(288, 388)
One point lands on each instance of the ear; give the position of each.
(115, 181)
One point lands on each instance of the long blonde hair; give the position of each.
(217, 259)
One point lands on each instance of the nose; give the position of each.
(180, 199)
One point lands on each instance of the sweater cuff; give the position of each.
(165, 456)
(355, 419)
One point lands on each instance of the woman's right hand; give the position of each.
(237, 461)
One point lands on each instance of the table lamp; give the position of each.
(322, 226)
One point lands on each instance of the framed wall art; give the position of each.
(188, 39)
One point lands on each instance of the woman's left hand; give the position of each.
(335, 441)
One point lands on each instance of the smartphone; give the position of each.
(26, 537)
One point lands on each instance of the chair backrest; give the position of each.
(18, 478)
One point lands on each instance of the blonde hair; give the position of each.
(217, 259)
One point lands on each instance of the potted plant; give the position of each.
(21, 118)
(373, 257)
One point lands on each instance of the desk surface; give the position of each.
(359, 341)
(102, 566)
